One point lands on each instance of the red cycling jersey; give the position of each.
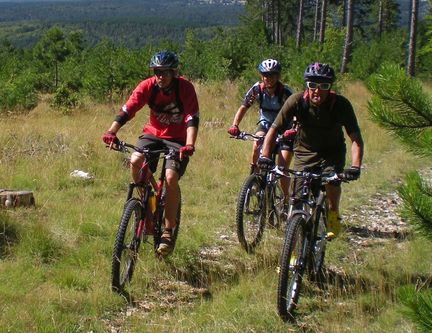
(168, 120)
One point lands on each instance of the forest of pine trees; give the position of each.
(356, 37)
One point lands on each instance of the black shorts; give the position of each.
(152, 142)
(264, 126)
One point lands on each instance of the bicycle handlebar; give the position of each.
(324, 177)
(123, 146)
(248, 136)
(253, 137)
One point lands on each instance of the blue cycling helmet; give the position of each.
(319, 72)
(164, 60)
(269, 66)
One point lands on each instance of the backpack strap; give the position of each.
(155, 90)
(279, 92)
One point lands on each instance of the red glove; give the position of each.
(234, 130)
(187, 150)
(290, 134)
(109, 137)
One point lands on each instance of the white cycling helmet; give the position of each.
(269, 66)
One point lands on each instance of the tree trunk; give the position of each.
(273, 18)
(56, 74)
(316, 20)
(278, 23)
(380, 18)
(348, 38)
(323, 21)
(410, 70)
(344, 13)
(299, 25)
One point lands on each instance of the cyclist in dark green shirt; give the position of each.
(321, 116)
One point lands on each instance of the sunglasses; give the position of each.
(316, 85)
(162, 72)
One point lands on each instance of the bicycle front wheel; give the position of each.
(291, 267)
(277, 215)
(251, 213)
(126, 245)
(316, 269)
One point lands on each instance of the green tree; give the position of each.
(401, 106)
(52, 50)
(111, 71)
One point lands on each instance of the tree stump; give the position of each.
(11, 198)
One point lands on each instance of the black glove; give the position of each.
(265, 163)
(352, 173)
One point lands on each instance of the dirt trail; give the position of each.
(374, 223)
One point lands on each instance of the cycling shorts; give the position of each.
(264, 126)
(151, 142)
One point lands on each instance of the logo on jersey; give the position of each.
(168, 114)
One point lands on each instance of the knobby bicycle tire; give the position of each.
(291, 266)
(276, 210)
(251, 213)
(126, 245)
(318, 247)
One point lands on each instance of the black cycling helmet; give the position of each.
(164, 60)
(319, 72)
(269, 66)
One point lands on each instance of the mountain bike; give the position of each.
(305, 237)
(260, 201)
(142, 220)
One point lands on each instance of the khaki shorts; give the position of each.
(312, 161)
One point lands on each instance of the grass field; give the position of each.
(55, 258)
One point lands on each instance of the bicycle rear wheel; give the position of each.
(126, 245)
(251, 213)
(291, 266)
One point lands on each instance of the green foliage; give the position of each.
(130, 23)
(417, 307)
(400, 105)
(19, 93)
(110, 70)
(368, 55)
(8, 235)
(417, 197)
(64, 98)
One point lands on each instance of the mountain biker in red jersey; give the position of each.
(321, 115)
(270, 93)
(173, 123)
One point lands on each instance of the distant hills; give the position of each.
(130, 22)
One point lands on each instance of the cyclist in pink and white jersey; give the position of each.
(174, 120)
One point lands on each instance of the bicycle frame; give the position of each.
(147, 184)
(141, 217)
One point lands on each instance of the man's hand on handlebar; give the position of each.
(352, 173)
(186, 151)
(110, 138)
(265, 163)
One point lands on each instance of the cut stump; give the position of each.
(11, 198)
